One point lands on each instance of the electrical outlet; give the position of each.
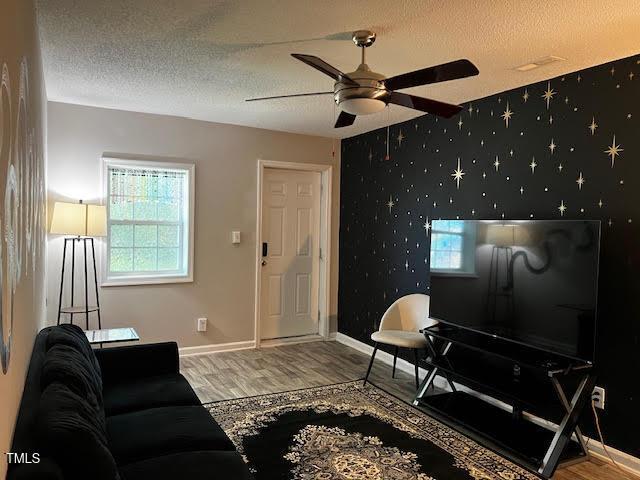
(202, 324)
(598, 397)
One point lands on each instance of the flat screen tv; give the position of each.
(531, 282)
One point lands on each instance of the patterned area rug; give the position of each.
(352, 432)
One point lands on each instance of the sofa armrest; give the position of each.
(128, 363)
(45, 469)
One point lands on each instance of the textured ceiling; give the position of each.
(201, 59)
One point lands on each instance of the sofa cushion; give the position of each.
(74, 337)
(204, 465)
(162, 431)
(66, 365)
(149, 392)
(69, 430)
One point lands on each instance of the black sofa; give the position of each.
(115, 413)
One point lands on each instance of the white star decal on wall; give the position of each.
(548, 94)
(457, 174)
(525, 95)
(460, 123)
(533, 165)
(506, 116)
(390, 203)
(552, 146)
(521, 190)
(470, 109)
(427, 226)
(600, 203)
(580, 181)
(593, 126)
(400, 138)
(562, 208)
(496, 163)
(560, 167)
(614, 150)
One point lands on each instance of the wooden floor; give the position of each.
(244, 373)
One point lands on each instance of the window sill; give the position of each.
(155, 280)
(454, 274)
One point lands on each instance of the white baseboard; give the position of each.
(216, 347)
(277, 342)
(628, 462)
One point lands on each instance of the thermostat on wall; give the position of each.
(235, 237)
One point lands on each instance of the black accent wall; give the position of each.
(564, 148)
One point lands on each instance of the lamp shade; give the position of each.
(69, 219)
(79, 219)
(501, 235)
(96, 221)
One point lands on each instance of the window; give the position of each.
(149, 222)
(452, 247)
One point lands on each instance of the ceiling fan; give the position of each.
(363, 91)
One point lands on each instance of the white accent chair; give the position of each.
(400, 327)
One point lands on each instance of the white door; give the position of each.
(291, 266)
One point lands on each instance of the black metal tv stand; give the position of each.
(533, 383)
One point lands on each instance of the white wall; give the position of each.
(22, 146)
(226, 166)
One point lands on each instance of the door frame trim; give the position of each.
(326, 175)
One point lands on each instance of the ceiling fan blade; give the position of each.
(424, 104)
(322, 66)
(288, 96)
(435, 74)
(344, 120)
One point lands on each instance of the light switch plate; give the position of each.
(235, 237)
(202, 324)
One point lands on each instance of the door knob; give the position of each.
(264, 262)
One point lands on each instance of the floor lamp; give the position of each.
(82, 223)
(502, 238)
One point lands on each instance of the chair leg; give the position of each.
(395, 357)
(373, 355)
(415, 356)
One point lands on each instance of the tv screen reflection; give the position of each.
(533, 282)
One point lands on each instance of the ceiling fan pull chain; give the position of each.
(333, 140)
(387, 157)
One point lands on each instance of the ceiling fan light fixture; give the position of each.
(364, 91)
(362, 106)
